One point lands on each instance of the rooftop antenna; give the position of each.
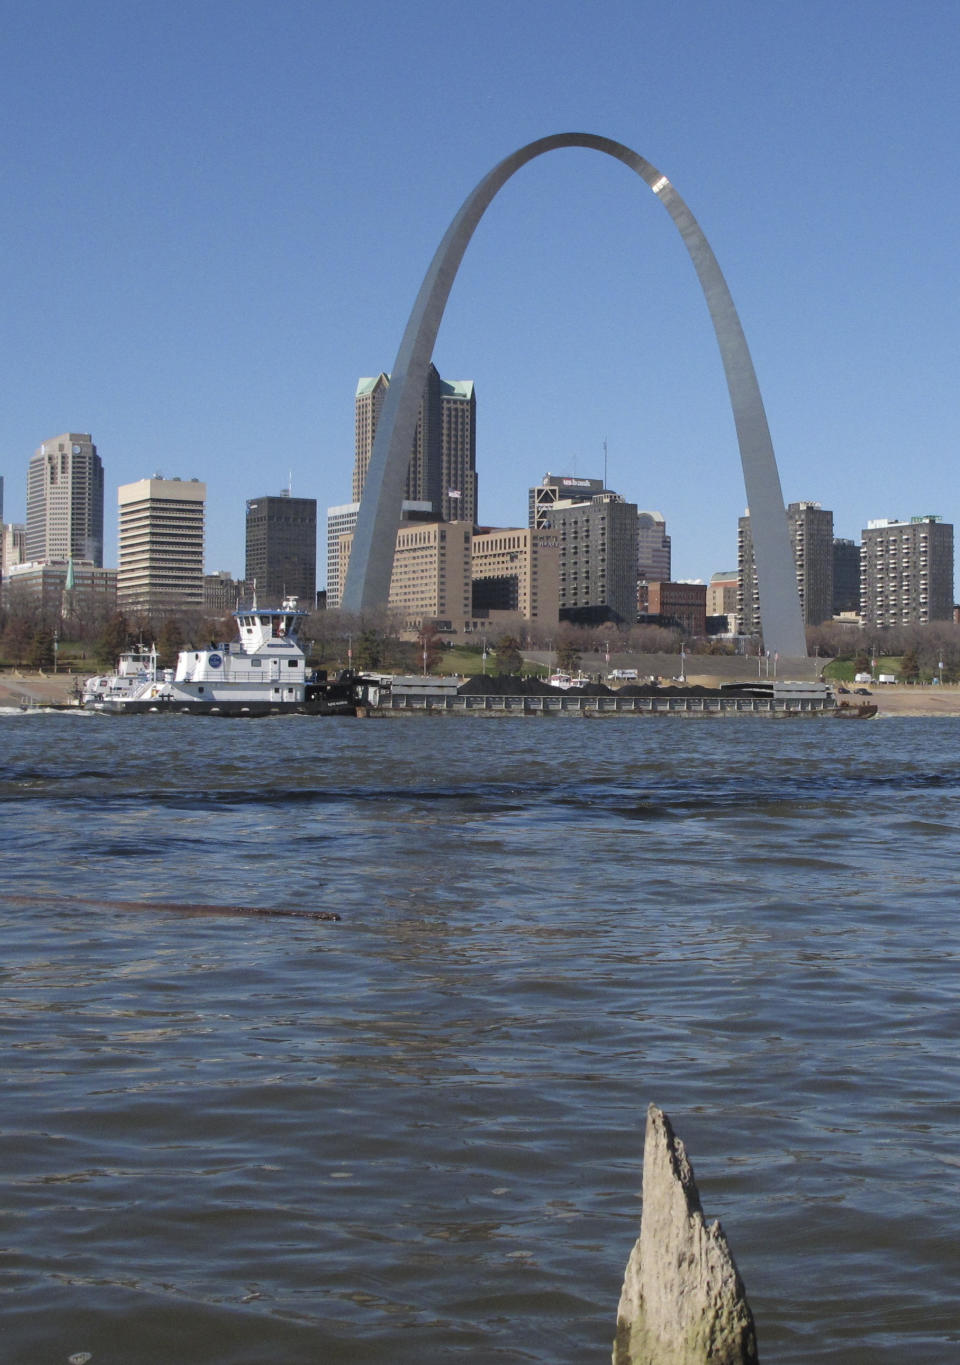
(604, 461)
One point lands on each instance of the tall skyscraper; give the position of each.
(282, 548)
(811, 539)
(906, 571)
(653, 548)
(443, 461)
(161, 545)
(65, 500)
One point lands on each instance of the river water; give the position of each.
(414, 1134)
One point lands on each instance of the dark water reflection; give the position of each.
(415, 1134)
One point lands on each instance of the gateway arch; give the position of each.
(371, 560)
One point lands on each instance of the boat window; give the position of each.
(256, 663)
(292, 663)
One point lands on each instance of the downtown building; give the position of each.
(846, 577)
(160, 568)
(722, 599)
(811, 540)
(554, 489)
(597, 545)
(431, 578)
(281, 549)
(443, 460)
(56, 590)
(653, 548)
(65, 501)
(516, 578)
(342, 521)
(906, 572)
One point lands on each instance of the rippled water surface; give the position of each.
(414, 1134)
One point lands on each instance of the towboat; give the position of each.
(262, 673)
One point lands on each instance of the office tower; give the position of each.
(282, 549)
(517, 570)
(811, 539)
(598, 558)
(906, 571)
(65, 501)
(555, 488)
(653, 548)
(161, 545)
(846, 576)
(443, 461)
(342, 521)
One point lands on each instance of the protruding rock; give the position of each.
(683, 1302)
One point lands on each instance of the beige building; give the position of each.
(161, 545)
(722, 597)
(431, 573)
(516, 571)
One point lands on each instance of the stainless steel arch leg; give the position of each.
(371, 561)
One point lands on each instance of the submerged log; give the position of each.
(683, 1302)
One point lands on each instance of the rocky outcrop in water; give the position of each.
(683, 1302)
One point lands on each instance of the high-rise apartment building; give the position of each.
(65, 501)
(598, 559)
(811, 539)
(906, 571)
(653, 548)
(443, 461)
(281, 547)
(160, 566)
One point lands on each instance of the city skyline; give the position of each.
(182, 314)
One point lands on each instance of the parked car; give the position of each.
(864, 692)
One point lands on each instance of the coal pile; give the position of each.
(506, 685)
(510, 685)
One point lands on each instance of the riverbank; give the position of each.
(39, 688)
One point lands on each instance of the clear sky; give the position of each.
(216, 216)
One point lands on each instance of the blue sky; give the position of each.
(216, 217)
